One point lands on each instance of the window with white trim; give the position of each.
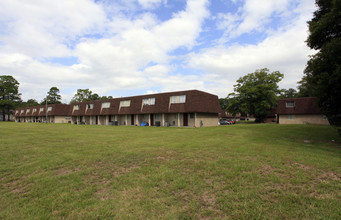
(34, 110)
(290, 117)
(178, 99)
(149, 101)
(16, 112)
(106, 105)
(49, 109)
(76, 107)
(22, 111)
(27, 111)
(125, 103)
(90, 106)
(41, 109)
(290, 104)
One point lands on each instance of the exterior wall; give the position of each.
(174, 119)
(206, 119)
(303, 119)
(61, 119)
(191, 121)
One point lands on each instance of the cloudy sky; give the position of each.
(135, 47)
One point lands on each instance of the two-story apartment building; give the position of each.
(184, 108)
(300, 111)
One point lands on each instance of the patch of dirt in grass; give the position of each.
(208, 199)
(102, 194)
(326, 177)
(65, 171)
(17, 187)
(266, 170)
(301, 166)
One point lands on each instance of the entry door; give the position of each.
(185, 119)
(96, 120)
(151, 120)
(132, 120)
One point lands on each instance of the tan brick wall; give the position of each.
(303, 119)
(206, 119)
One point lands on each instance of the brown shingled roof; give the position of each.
(196, 101)
(307, 105)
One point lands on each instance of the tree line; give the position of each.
(256, 93)
(10, 98)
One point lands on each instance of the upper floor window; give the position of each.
(290, 104)
(16, 112)
(22, 111)
(76, 107)
(41, 109)
(27, 111)
(178, 99)
(106, 105)
(90, 106)
(149, 101)
(34, 110)
(125, 103)
(49, 109)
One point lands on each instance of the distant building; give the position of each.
(300, 111)
(191, 108)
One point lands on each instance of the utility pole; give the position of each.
(46, 109)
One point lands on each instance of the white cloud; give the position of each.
(41, 28)
(253, 15)
(284, 50)
(120, 47)
(131, 54)
(149, 4)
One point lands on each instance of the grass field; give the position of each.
(62, 171)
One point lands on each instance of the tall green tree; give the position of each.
(323, 72)
(83, 95)
(53, 96)
(256, 93)
(223, 103)
(288, 93)
(9, 95)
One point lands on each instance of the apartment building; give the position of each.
(191, 108)
(300, 111)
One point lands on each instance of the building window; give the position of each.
(149, 101)
(76, 107)
(290, 104)
(22, 111)
(324, 117)
(16, 112)
(178, 99)
(90, 106)
(34, 110)
(49, 109)
(27, 111)
(157, 117)
(290, 117)
(106, 105)
(191, 115)
(125, 103)
(41, 109)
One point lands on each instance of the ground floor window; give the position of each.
(290, 117)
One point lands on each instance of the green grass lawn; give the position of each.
(245, 171)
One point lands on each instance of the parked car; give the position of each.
(232, 122)
(224, 122)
